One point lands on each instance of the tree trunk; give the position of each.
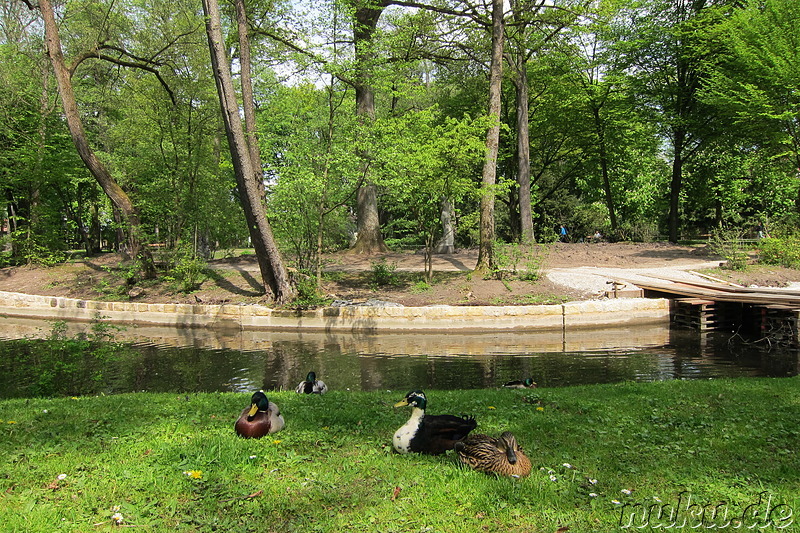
(523, 152)
(247, 172)
(369, 239)
(119, 198)
(603, 153)
(675, 186)
(487, 231)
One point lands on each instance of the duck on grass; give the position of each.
(596, 453)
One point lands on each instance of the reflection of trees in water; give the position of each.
(405, 362)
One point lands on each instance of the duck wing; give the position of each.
(439, 433)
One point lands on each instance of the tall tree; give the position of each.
(758, 84)
(116, 194)
(365, 22)
(249, 176)
(489, 176)
(670, 65)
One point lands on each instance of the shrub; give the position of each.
(382, 273)
(728, 244)
(780, 251)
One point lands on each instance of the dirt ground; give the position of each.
(351, 278)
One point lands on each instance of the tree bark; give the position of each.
(489, 176)
(675, 185)
(247, 172)
(603, 154)
(119, 198)
(523, 152)
(369, 239)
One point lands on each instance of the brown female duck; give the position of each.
(501, 456)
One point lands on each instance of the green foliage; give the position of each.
(33, 253)
(185, 267)
(728, 244)
(782, 251)
(308, 295)
(518, 261)
(382, 273)
(420, 287)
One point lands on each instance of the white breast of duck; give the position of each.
(403, 436)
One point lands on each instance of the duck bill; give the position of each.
(511, 455)
(253, 410)
(401, 403)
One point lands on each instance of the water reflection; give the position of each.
(185, 360)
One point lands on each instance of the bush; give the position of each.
(382, 273)
(307, 294)
(728, 244)
(780, 251)
(509, 257)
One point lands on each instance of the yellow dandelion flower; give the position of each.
(194, 474)
(276, 441)
(11, 422)
(491, 407)
(540, 408)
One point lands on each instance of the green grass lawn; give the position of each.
(604, 456)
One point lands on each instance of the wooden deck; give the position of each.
(767, 312)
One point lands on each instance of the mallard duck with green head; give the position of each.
(431, 434)
(501, 456)
(261, 418)
(311, 385)
(526, 383)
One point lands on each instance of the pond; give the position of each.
(193, 360)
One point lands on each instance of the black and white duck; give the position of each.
(431, 434)
(501, 456)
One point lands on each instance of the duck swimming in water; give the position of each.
(431, 434)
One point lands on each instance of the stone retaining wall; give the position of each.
(593, 313)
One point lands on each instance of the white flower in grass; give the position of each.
(625, 491)
(117, 518)
(253, 456)
(553, 478)
(616, 502)
(61, 477)
(656, 498)
(566, 465)
(593, 482)
(593, 495)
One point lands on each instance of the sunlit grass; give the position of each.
(170, 462)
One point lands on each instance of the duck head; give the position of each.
(311, 377)
(258, 402)
(508, 444)
(415, 398)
